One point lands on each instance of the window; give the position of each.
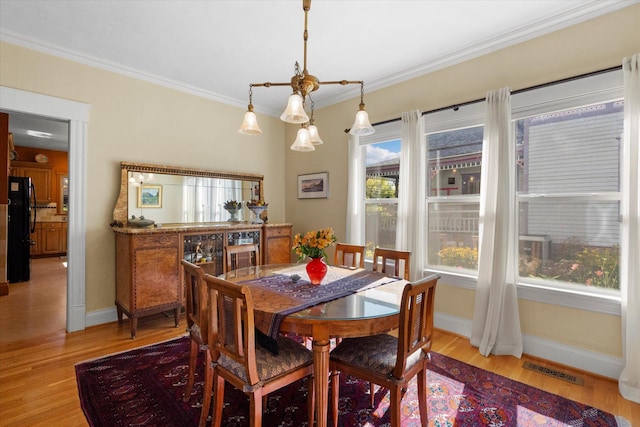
(454, 146)
(567, 202)
(568, 196)
(382, 173)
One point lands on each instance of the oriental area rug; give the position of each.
(143, 387)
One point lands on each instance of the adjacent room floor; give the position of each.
(36, 307)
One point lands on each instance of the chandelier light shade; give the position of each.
(249, 124)
(295, 110)
(313, 134)
(361, 126)
(303, 141)
(303, 84)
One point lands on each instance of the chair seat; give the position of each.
(291, 355)
(375, 353)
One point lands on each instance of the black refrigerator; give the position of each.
(22, 222)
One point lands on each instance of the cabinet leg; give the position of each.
(134, 326)
(119, 311)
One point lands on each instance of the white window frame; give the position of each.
(598, 88)
(604, 87)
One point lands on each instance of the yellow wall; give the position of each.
(132, 120)
(594, 45)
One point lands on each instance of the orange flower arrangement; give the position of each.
(313, 243)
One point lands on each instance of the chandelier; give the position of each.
(303, 84)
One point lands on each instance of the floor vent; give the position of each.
(554, 373)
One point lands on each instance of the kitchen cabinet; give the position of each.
(50, 239)
(40, 177)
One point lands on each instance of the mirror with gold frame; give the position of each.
(171, 195)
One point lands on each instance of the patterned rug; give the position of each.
(143, 387)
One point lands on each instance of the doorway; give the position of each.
(77, 115)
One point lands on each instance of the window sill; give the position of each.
(581, 300)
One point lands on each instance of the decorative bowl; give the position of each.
(257, 212)
(140, 222)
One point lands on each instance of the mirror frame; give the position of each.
(120, 211)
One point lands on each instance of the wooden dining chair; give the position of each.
(389, 361)
(349, 255)
(239, 256)
(197, 326)
(392, 262)
(247, 366)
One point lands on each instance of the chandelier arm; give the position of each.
(269, 84)
(342, 82)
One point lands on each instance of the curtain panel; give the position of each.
(411, 234)
(629, 380)
(496, 320)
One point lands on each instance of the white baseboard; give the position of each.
(590, 361)
(99, 317)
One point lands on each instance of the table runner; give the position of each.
(275, 297)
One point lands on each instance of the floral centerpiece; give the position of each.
(313, 245)
(232, 206)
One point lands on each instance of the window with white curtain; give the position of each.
(567, 162)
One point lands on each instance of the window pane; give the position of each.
(455, 158)
(383, 169)
(383, 172)
(571, 151)
(380, 226)
(453, 235)
(570, 241)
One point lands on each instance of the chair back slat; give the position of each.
(240, 256)
(416, 320)
(232, 323)
(349, 255)
(196, 295)
(390, 260)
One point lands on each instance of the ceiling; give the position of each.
(215, 48)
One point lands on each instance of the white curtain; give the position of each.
(629, 381)
(410, 231)
(355, 193)
(496, 320)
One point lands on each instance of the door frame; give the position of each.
(77, 113)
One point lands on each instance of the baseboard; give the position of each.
(99, 317)
(76, 318)
(553, 351)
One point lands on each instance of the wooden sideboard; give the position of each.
(148, 271)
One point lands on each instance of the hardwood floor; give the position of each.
(37, 357)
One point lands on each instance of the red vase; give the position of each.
(316, 270)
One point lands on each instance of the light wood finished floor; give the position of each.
(37, 357)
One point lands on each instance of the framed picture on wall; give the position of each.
(150, 196)
(313, 186)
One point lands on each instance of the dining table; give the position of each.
(350, 302)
